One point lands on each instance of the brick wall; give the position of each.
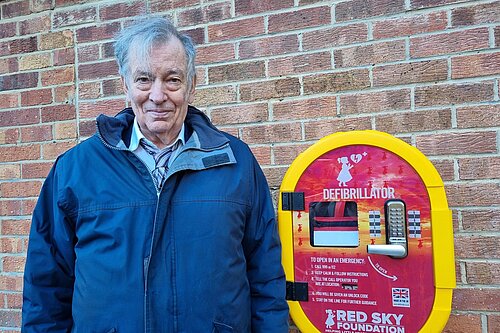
(280, 74)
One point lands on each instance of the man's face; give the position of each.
(159, 93)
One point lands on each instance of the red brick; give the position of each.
(74, 17)
(12, 283)
(119, 10)
(164, 5)
(479, 168)
(89, 90)
(13, 9)
(476, 299)
(330, 37)
(475, 15)
(478, 116)
(303, 63)
(13, 264)
(262, 154)
(483, 273)
(247, 7)
(431, 3)
(497, 36)
(272, 133)
(7, 30)
(15, 227)
(58, 113)
(445, 168)
(480, 220)
(475, 65)
(410, 25)
(59, 75)
(317, 129)
(485, 247)
(215, 53)
(274, 175)
(457, 143)
(375, 53)
(36, 170)
(196, 34)
(206, 14)
(86, 128)
(63, 57)
(357, 9)
(56, 40)
(11, 244)
(88, 53)
(18, 81)
(108, 107)
(10, 318)
(112, 87)
(493, 322)
(10, 208)
(65, 130)
(52, 150)
(21, 45)
(387, 100)
(413, 72)
(36, 97)
(14, 300)
(8, 101)
(9, 65)
(240, 114)
(41, 5)
(285, 155)
(337, 81)
(215, 96)
(97, 70)
(236, 29)
(20, 189)
(97, 33)
(409, 122)
(300, 19)
(34, 25)
(9, 136)
(269, 89)
(305, 109)
(241, 71)
(268, 46)
(463, 323)
(466, 40)
(20, 117)
(36, 133)
(28, 206)
(108, 50)
(64, 94)
(10, 171)
(444, 94)
(469, 195)
(19, 153)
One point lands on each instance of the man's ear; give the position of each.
(192, 90)
(124, 84)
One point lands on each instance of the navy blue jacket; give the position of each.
(110, 253)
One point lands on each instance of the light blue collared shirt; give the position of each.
(143, 155)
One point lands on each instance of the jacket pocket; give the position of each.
(222, 328)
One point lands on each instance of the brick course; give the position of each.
(280, 74)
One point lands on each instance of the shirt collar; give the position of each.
(137, 136)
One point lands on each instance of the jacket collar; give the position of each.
(116, 131)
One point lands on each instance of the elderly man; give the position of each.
(159, 222)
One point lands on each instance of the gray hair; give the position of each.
(145, 33)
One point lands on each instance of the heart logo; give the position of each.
(356, 158)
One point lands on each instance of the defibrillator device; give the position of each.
(367, 237)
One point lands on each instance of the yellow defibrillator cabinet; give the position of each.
(367, 237)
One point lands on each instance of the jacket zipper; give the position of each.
(147, 260)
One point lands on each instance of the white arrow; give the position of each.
(393, 278)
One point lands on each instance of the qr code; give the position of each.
(401, 297)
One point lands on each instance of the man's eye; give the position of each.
(142, 79)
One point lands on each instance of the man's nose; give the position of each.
(156, 94)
